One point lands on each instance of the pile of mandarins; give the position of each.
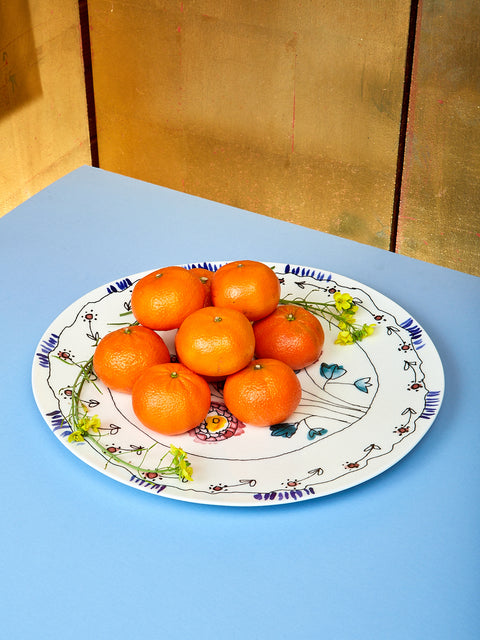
(230, 328)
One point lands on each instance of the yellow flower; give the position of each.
(185, 471)
(368, 329)
(76, 436)
(343, 301)
(344, 337)
(87, 423)
(177, 453)
(182, 466)
(84, 425)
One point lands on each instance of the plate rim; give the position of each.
(228, 499)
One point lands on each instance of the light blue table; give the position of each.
(84, 556)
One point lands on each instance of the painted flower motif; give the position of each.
(216, 488)
(89, 316)
(284, 429)
(219, 425)
(311, 427)
(112, 449)
(363, 384)
(292, 483)
(314, 433)
(402, 430)
(415, 386)
(332, 371)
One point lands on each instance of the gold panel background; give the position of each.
(440, 205)
(43, 114)
(287, 109)
(291, 110)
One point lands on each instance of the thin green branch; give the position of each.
(84, 427)
(341, 312)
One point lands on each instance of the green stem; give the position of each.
(344, 320)
(168, 470)
(180, 468)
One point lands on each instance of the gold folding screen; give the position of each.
(284, 108)
(289, 109)
(43, 108)
(440, 205)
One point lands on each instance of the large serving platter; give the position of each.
(363, 407)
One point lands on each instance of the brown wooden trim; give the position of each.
(403, 121)
(87, 66)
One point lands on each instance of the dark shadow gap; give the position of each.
(403, 122)
(87, 67)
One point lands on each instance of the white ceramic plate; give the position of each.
(363, 408)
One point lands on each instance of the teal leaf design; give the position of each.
(332, 371)
(313, 433)
(285, 429)
(363, 384)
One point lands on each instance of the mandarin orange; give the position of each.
(290, 334)
(248, 286)
(264, 393)
(122, 355)
(162, 299)
(171, 399)
(206, 277)
(215, 342)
